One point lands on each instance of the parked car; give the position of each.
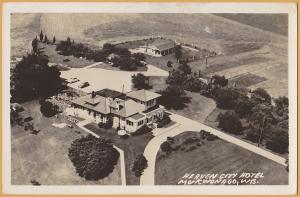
(83, 85)
(73, 80)
(70, 126)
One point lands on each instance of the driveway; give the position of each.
(99, 78)
(186, 124)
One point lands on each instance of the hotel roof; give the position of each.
(98, 104)
(143, 95)
(130, 108)
(110, 93)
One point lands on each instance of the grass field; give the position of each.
(246, 48)
(198, 108)
(73, 62)
(216, 156)
(132, 146)
(44, 157)
(245, 80)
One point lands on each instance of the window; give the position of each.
(140, 122)
(129, 123)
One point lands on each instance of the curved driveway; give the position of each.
(186, 124)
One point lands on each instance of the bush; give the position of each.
(225, 98)
(166, 147)
(48, 109)
(190, 140)
(230, 123)
(211, 137)
(139, 165)
(94, 158)
(107, 125)
(204, 134)
(192, 148)
(279, 141)
(143, 130)
(252, 134)
(164, 121)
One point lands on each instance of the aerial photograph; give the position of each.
(149, 99)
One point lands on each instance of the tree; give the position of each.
(282, 105)
(177, 52)
(48, 109)
(32, 78)
(225, 98)
(166, 147)
(230, 123)
(220, 81)
(173, 97)
(169, 64)
(34, 44)
(185, 68)
(108, 48)
(176, 78)
(41, 36)
(53, 40)
(68, 42)
(193, 84)
(252, 133)
(279, 141)
(93, 158)
(262, 118)
(260, 95)
(243, 106)
(140, 81)
(45, 39)
(139, 164)
(139, 57)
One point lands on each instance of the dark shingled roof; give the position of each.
(110, 93)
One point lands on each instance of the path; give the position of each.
(187, 124)
(92, 65)
(122, 158)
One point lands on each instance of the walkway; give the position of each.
(122, 158)
(187, 124)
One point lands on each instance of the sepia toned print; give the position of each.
(150, 99)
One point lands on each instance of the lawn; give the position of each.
(132, 146)
(216, 156)
(246, 80)
(44, 157)
(198, 108)
(54, 57)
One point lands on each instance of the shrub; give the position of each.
(212, 137)
(279, 141)
(143, 130)
(48, 109)
(94, 158)
(166, 147)
(164, 121)
(204, 134)
(252, 134)
(107, 125)
(230, 123)
(225, 98)
(190, 140)
(139, 165)
(192, 148)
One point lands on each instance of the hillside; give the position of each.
(241, 46)
(276, 23)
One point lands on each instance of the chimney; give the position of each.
(93, 94)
